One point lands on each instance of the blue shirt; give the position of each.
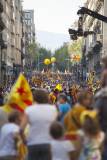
(63, 109)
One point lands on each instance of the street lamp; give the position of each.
(38, 65)
(53, 60)
(68, 59)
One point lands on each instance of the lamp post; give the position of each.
(38, 57)
(53, 60)
(68, 59)
(38, 65)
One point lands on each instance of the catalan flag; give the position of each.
(20, 96)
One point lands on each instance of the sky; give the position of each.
(54, 16)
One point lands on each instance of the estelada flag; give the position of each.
(20, 96)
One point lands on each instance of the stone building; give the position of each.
(11, 36)
(16, 36)
(29, 38)
(93, 44)
(105, 30)
(25, 43)
(2, 43)
(29, 20)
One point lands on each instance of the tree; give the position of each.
(43, 53)
(37, 54)
(62, 57)
(75, 48)
(33, 50)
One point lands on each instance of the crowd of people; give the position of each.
(65, 122)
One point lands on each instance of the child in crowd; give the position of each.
(91, 138)
(9, 137)
(61, 149)
(63, 106)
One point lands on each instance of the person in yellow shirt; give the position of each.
(72, 119)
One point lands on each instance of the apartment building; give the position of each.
(93, 44)
(16, 35)
(105, 30)
(29, 38)
(25, 43)
(11, 36)
(29, 20)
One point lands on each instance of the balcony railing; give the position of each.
(3, 44)
(12, 42)
(1, 6)
(12, 29)
(2, 24)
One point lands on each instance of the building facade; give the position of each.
(11, 35)
(29, 37)
(2, 43)
(93, 44)
(16, 36)
(25, 44)
(17, 32)
(29, 20)
(105, 30)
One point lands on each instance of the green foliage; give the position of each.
(43, 53)
(37, 55)
(61, 56)
(33, 50)
(75, 47)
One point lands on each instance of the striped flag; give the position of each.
(20, 96)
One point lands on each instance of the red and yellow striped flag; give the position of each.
(20, 96)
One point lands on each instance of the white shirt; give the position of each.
(61, 149)
(40, 118)
(7, 144)
(91, 146)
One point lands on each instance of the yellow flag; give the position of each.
(59, 87)
(20, 96)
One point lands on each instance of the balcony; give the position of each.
(12, 42)
(1, 6)
(12, 16)
(22, 55)
(22, 43)
(100, 38)
(90, 50)
(2, 42)
(94, 48)
(3, 65)
(2, 24)
(97, 47)
(12, 4)
(12, 29)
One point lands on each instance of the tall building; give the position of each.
(29, 20)
(2, 43)
(11, 35)
(105, 29)
(25, 43)
(93, 44)
(29, 37)
(16, 35)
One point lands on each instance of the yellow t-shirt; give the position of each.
(72, 119)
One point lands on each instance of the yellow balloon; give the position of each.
(53, 60)
(47, 61)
